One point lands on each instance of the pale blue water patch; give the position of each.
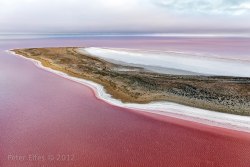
(71, 35)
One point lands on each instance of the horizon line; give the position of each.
(131, 34)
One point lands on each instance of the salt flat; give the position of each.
(179, 63)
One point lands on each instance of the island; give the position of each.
(136, 85)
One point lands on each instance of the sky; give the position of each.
(120, 16)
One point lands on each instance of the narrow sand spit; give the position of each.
(235, 122)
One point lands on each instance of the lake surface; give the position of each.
(47, 120)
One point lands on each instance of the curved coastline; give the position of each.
(229, 121)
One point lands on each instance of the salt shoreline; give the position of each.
(228, 121)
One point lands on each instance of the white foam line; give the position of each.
(212, 118)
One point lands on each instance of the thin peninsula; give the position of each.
(137, 85)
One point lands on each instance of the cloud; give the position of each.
(217, 7)
(123, 16)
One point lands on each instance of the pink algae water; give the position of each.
(49, 121)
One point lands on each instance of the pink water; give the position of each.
(42, 114)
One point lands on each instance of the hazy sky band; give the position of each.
(174, 16)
